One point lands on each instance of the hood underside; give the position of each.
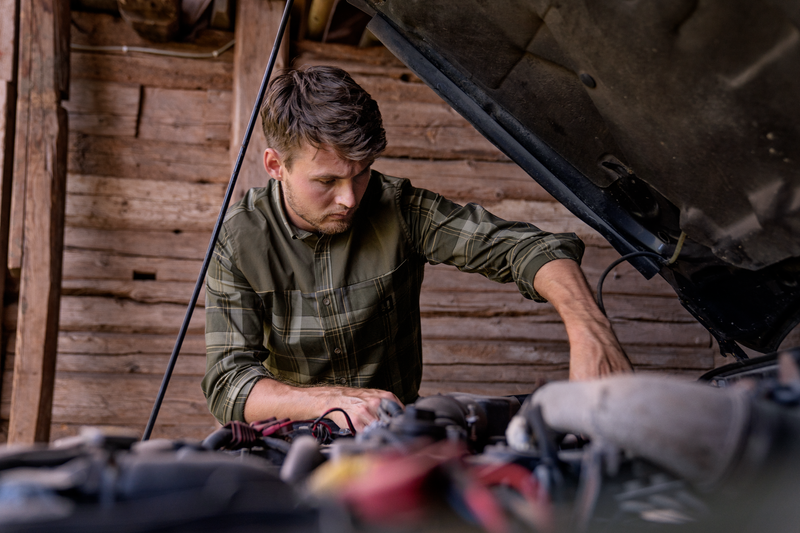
(646, 119)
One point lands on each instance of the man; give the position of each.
(312, 296)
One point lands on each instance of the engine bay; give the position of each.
(625, 453)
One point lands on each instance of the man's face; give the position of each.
(322, 191)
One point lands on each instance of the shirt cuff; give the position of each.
(534, 255)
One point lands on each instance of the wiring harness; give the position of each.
(276, 434)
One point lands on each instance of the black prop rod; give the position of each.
(218, 226)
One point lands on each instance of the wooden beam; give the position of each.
(154, 71)
(94, 313)
(257, 25)
(93, 343)
(117, 203)
(104, 108)
(8, 39)
(45, 37)
(193, 117)
(181, 431)
(8, 105)
(157, 244)
(128, 399)
(438, 352)
(102, 265)
(187, 365)
(532, 329)
(40, 163)
(156, 20)
(7, 121)
(148, 160)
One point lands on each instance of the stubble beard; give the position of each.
(319, 223)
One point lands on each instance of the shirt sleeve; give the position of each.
(474, 240)
(234, 336)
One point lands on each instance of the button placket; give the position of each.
(328, 306)
(329, 309)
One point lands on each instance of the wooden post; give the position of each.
(319, 17)
(8, 39)
(8, 105)
(257, 24)
(40, 164)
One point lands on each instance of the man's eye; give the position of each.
(327, 182)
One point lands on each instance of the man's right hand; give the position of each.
(272, 398)
(360, 404)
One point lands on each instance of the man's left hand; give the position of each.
(595, 351)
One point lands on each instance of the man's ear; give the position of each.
(272, 164)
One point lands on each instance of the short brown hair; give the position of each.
(321, 105)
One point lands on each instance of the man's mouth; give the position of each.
(341, 215)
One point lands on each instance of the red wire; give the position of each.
(321, 436)
(263, 424)
(272, 425)
(274, 428)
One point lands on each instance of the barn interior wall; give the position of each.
(149, 159)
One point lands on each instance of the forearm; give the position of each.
(562, 283)
(594, 348)
(270, 397)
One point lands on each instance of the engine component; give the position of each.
(96, 483)
(303, 457)
(471, 417)
(655, 418)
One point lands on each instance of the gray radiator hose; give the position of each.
(692, 430)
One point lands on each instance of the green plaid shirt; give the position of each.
(306, 309)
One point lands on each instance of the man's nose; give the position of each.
(345, 194)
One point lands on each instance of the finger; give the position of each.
(363, 419)
(392, 397)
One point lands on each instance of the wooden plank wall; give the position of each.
(148, 163)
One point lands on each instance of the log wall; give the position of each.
(148, 163)
(147, 169)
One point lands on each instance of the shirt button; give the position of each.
(343, 381)
(327, 301)
(337, 351)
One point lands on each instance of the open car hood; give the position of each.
(645, 119)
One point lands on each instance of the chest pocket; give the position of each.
(377, 311)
